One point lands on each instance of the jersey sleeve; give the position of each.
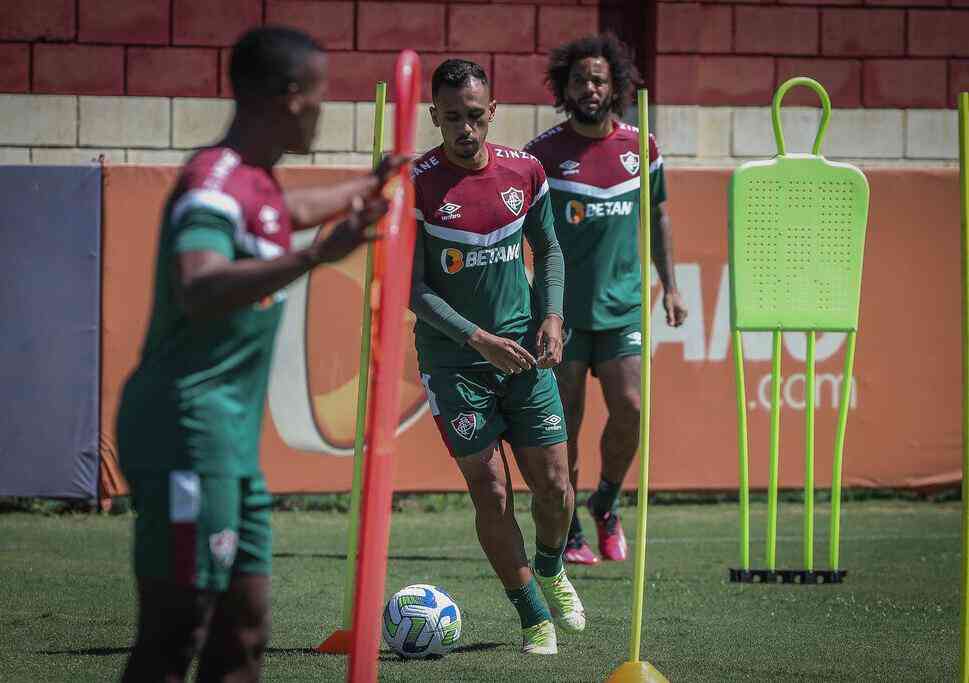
(539, 230)
(657, 179)
(205, 220)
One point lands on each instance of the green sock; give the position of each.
(606, 497)
(548, 561)
(528, 601)
(575, 529)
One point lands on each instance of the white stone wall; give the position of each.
(59, 129)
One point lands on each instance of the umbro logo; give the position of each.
(569, 167)
(553, 423)
(449, 211)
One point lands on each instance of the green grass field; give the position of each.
(68, 604)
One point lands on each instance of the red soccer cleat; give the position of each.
(579, 552)
(612, 541)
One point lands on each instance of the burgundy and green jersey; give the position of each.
(196, 399)
(469, 239)
(595, 198)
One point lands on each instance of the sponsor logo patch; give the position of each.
(514, 199)
(465, 425)
(574, 211)
(630, 161)
(452, 261)
(269, 217)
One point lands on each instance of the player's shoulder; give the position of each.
(630, 134)
(423, 167)
(519, 161)
(544, 143)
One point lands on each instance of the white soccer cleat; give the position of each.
(540, 639)
(563, 601)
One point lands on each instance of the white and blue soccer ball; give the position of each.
(421, 621)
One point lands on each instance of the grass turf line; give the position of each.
(69, 605)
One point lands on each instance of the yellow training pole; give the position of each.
(339, 642)
(964, 191)
(634, 669)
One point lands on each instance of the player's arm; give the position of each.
(661, 242)
(539, 230)
(431, 307)
(208, 282)
(311, 206)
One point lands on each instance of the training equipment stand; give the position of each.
(796, 233)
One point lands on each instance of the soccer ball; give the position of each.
(421, 621)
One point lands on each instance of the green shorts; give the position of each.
(473, 408)
(199, 530)
(593, 347)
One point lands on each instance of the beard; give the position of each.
(598, 116)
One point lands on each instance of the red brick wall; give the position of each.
(867, 53)
(179, 47)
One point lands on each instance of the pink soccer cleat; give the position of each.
(579, 552)
(612, 541)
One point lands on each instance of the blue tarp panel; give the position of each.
(50, 263)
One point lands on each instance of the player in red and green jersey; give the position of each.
(191, 412)
(592, 161)
(486, 341)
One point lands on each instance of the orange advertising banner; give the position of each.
(903, 425)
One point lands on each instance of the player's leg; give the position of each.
(464, 406)
(240, 627)
(537, 433)
(619, 378)
(486, 473)
(239, 632)
(173, 622)
(176, 590)
(571, 377)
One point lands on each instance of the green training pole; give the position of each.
(744, 492)
(839, 449)
(349, 576)
(964, 191)
(775, 447)
(645, 247)
(809, 454)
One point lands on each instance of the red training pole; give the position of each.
(392, 272)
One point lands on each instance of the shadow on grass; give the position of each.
(89, 651)
(472, 647)
(399, 558)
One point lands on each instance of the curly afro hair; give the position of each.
(625, 75)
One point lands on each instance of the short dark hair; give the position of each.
(266, 61)
(625, 75)
(456, 73)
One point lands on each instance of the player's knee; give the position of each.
(554, 492)
(490, 499)
(625, 411)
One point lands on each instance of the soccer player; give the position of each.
(190, 415)
(592, 161)
(486, 341)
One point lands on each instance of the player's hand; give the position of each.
(549, 342)
(358, 227)
(675, 308)
(504, 354)
(388, 168)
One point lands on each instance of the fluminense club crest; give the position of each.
(465, 424)
(630, 161)
(514, 199)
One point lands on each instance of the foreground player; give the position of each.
(485, 342)
(592, 162)
(190, 416)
